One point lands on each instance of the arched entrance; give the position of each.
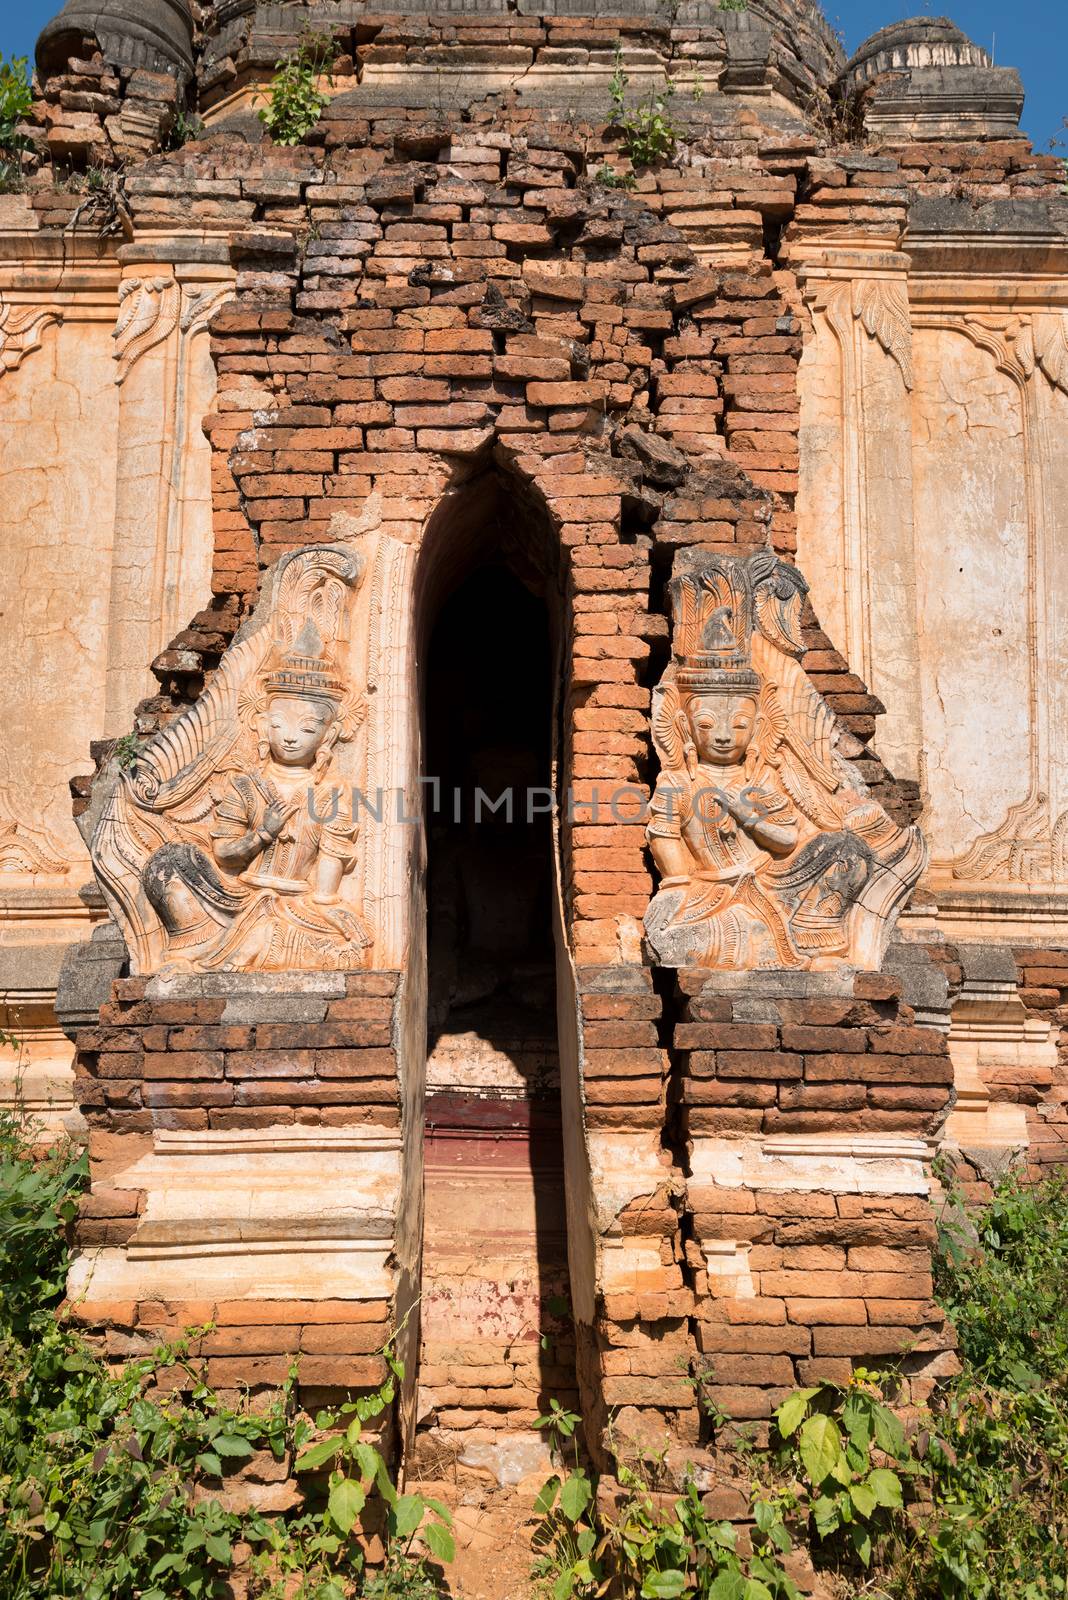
(495, 1308)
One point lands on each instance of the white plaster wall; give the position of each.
(58, 414)
(972, 556)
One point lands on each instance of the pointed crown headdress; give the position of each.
(304, 671)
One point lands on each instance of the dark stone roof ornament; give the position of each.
(154, 34)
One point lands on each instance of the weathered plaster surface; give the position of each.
(971, 516)
(60, 406)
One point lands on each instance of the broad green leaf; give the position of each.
(664, 1585)
(318, 1455)
(863, 1497)
(825, 1515)
(728, 1586)
(167, 1563)
(546, 1497)
(792, 1410)
(820, 1445)
(889, 1432)
(385, 1483)
(209, 1462)
(346, 1501)
(232, 1444)
(755, 1590)
(861, 1542)
(575, 1496)
(439, 1541)
(408, 1513)
(790, 1414)
(886, 1487)
(564, 1585)
(764, 1514)
(366, 1458)
(218, 1547)
(857, 1419)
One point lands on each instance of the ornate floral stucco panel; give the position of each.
(772, 853)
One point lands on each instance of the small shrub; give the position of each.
(186, 129)
(835, 1444)
(296, 102)
(126, 750)
(970, 1504)
(648, 132)
(16, 99)
(608, 178)
(642, 1550)
(1000, 1275)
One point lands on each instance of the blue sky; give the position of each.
(1032, 36)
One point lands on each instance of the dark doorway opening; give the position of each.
(489, 689)
(497, 1338)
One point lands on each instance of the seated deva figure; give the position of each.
(772, 851)
(714, 833)
(267, 898)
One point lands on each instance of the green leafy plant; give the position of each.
(732, 5)
(1000, 1277)
(648, 132)
(827, 1437)
(16, 100)
(111, 1482)
(126, 751)
(609, 178)
(296, 101)
(971, 1503)
(185, 130)
(995, 1450)
(649, 1547)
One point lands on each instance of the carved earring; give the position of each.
(689, 749)
(326, 749)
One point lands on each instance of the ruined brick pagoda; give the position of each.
(711, 507)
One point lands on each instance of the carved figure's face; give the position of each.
(296, 729)
(722, 727)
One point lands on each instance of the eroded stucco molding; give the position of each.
(25, 847)
(162, 545)
(855, 515)
(896, 542)
(1030, 843)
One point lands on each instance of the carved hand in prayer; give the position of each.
(276, 816)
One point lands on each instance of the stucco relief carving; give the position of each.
(879, 305)
(148, 314)
(150, 309)
(771, 851)
(882, 309)
(1030, 843)
(228, 845)
(21, 330)
(855, 515)
(25, 849)
(1028, 846)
